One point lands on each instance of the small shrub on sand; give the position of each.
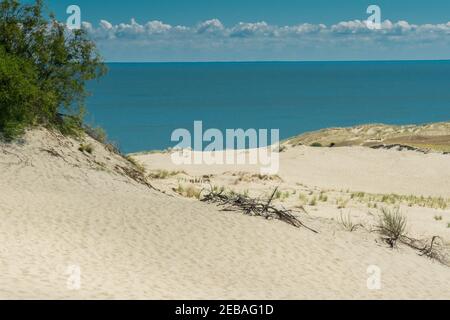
(97, 133)
(86, 148)
(217, 189)
(323, 197)
(360, 195)
(341, 203)
(438, 218)
(192, 192)
(313, 202)
(303, 198)
(280, 195)
(347, 223)
(163, 174)
(392, 225)
(316, 145)
(136, 164)
(372, 205)
(188, 192)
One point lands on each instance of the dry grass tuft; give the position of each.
(347, 222)
(189, 191)
(88, 148)
(392, 225)
(164, 174)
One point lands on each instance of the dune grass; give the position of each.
(88, 148)
(347, 223)
(164, 174)
(392, 225)
(395, 199)
(188, 191)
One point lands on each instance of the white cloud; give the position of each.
(210, 26)
(262, 29)
(105, 25)
(244, 29)
(350, 27)
(306, 28)
(211, 39)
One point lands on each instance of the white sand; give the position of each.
(133, 242)
(354, 168)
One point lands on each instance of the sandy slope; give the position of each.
(337, 173)
(60, 207)
(355, 168)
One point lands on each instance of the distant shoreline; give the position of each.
(435, 136)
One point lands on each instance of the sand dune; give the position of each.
(354, 168)
(61, 207)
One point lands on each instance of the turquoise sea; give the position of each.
(141, 104)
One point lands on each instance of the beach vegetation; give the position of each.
(341, 203)
(164, 174)
(346, 221)
(392, 225)
(188, 191)
(139, 167)
(313, 202)
(248, 177)
(323, 197)
(316, 145)
(88, 148)
(303, 198)
(409, 200)
(43, 70)
(278, 194)
(97, 133)
(217, 189)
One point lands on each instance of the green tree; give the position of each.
(43, 69)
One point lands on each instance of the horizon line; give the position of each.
(281, 61)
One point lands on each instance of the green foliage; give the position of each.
(19, 94)
(164, 174)
(97, 133)
(316, 144)
(188, 192)
(323, 197)
(43, 69)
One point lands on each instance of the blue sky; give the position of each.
(180, 30)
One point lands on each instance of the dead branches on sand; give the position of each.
(253, 207)
(392, 228)
(432, 249)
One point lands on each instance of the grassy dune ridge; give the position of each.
(427, 137)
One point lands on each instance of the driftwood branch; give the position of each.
(253, 207)
(431, 249)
